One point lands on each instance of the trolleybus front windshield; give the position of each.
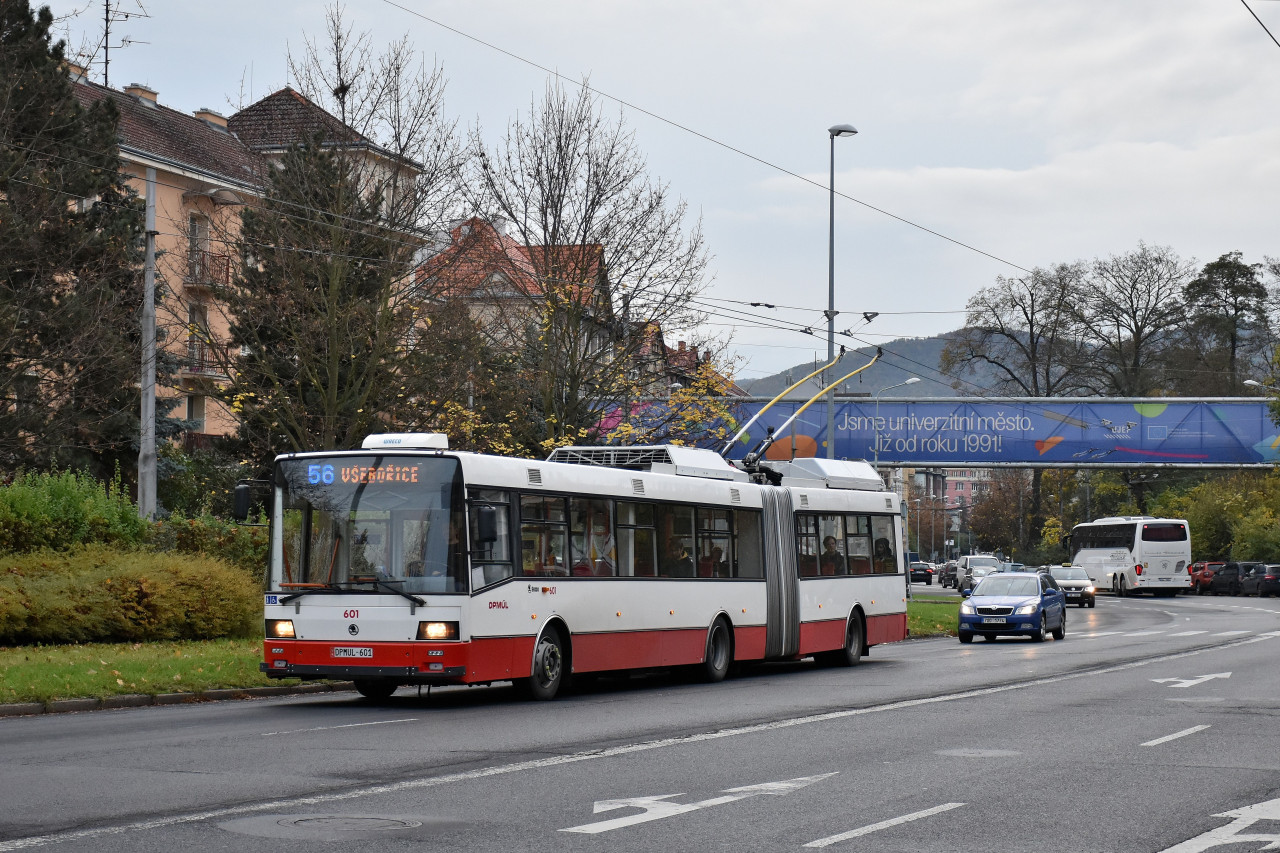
(373, 520)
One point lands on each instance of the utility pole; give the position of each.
(147, 444)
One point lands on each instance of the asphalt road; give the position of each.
(1135, 733)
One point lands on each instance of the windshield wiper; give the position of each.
(381, 584)
(325, 589)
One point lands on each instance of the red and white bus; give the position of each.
(406, 563)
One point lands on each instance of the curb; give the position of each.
(141, 700)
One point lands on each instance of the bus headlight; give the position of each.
(280, 629)
(437, 630)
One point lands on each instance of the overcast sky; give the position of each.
(1035, 132)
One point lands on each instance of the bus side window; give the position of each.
(807, 543)
(858, 543)
(490, 536)
(636, 540)
(748, 544)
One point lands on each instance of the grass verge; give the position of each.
(932, 617)
(99, 670)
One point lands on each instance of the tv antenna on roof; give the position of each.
(110, 16)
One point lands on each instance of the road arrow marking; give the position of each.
(1191, 682)
(658, 807)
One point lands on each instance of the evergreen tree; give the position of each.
(70, 255)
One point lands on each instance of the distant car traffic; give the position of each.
(947, 575)
(977, 573)
(1075, 584)
(1251, 580)
(1201, 574)
(1229, 578)
(1014, 603)
(965, 577)
(1270, 582)
(922, 573)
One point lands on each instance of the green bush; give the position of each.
(244, 546)
(103, 594)
(61, 509)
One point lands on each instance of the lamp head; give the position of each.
(912, 381)
(1253, 383)
(842, 130)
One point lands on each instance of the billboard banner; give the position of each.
(1024, 432)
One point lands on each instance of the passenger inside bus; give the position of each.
(884, 560)
(677, 563)
(831, 560)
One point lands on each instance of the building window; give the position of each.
(195, 412)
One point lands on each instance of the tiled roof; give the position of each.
(176, 137)
(477, 251)
(285, 118)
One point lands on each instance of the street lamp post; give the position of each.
(1253, 383)
(876, 426)
(838, 130)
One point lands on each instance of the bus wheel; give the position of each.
(1120, 593)
(719, 654)
(548, 667)
(375, 688)
(851, 654)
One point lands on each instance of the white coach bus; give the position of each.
(1134, 553)
(405, 563)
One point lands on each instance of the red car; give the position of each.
(1202, 576)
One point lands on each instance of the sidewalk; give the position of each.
(139, 700)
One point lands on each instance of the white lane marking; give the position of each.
(1188, 633)
(345, 726)
(1175, 735)
(1143, 633)
(1231, 633)
(1100, 634)
(292, 803)
(656, 808)
(884, 824)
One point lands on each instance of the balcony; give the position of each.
(207, 270)
(204, 360)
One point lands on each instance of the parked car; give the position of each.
(1201, 574)
(1229, 578)
(922, 573)
(965, 577)
(1270, 582)
(1076, 585)
(1251, 580)
(1014, 603)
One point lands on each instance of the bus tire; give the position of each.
(375, 688)
(719, 653)
(851, 654)
(1120, 592)
(548, 669)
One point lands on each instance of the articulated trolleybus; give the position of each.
(405, 563)
(1134, 553)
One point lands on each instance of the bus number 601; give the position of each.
(351, 614)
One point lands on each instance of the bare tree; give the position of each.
(329, 318)
(1130, 312)
(604, 256)
(1025, 329)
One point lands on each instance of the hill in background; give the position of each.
(903, 358)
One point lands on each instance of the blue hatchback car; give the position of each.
(1014, 603)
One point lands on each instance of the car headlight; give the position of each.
(1025, 609)
(967, 608)
(1089, 589)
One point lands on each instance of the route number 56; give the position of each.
(319, 474)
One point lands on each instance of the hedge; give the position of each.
(63, 509)
(102, 594)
